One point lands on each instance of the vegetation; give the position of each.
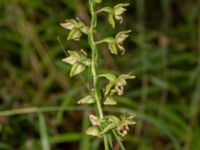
(38, 99)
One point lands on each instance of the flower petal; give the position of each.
(86, 100)
(77, 68)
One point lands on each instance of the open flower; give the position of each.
(121, 83)
(119, 10)
(124, 124)
(119, 124)
(115, 13)
(76, 29)
(78, 60)
(115, 84)
(120, 38)
(115, 44)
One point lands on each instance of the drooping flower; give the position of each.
(116, 44)
(116, 13)
(121, 83)
(124, 124)
(119, 10)
(120, 38)
(116, 85)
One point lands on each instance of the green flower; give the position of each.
(76, 29)
(116, 44)
(123, 126)
(116, 85)
(118, 10)
(79, 62)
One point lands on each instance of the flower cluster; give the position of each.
(114, 13)
(79, 60)
(121, 125)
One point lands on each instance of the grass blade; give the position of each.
(43, 132)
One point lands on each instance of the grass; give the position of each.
(33, 79)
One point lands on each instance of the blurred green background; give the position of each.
(38, 107)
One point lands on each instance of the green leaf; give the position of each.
(86, 100)
(43, 133)
(66, 137)
(76, 69)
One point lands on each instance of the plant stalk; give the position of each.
(94, 64)
(94, 58)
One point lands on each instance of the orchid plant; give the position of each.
(103, 126)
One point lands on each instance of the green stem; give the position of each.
(105, 142)
(94, 58)
(118, 140)
(94, 64)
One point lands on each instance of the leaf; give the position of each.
(76, 69)
(86, 100)
(94, 131)
(109, 101)
(43, 133)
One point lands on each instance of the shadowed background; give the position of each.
(38, 99)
